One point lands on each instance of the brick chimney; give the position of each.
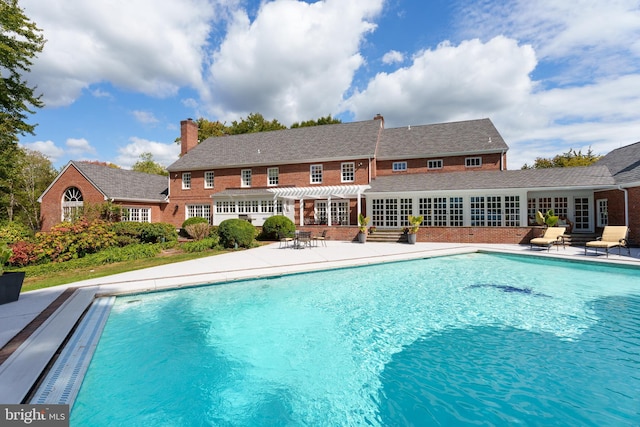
(379, 117)
(188, 135)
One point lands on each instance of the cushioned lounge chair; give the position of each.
(321, 238)
(552, 236)
(612, 236)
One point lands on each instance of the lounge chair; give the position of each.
(552, 236)
(612, 236)
(322, 238)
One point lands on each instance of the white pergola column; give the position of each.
(329, 211)
(301, 213)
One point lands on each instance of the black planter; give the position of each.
(10, 286)
(411, 238)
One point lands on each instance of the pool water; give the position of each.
(469, 339)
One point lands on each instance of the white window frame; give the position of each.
(435, 164)
(209, 179)
(348, 172)
(473, 162)
(202, 211)
(315, 174)
(273, 177)
(245, 178)
(135, 214)
(399, 166)
(186, 180)
(72, 204)
(603, 212)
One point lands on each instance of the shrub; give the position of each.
(234, 232)
(194, 220)
(197, 231)
(24, 253)
(200, 245)
(158, 232)
(76, 239)
(276, 225)
(14, 231)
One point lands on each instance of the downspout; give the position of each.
(626, 204)
(502, 160)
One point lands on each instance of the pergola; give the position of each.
(326, 192)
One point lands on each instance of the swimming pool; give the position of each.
(450, 340)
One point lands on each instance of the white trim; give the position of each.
(320, 192)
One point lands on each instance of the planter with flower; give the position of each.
(363, 221)
(372, 229)
(10, 283)
(414, 226)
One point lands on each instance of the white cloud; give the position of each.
(393, 56)
(471, 80)
(164, 154)
(47, 148)
(79, 146)
(293, 62)
(143, 45)
(145, 117)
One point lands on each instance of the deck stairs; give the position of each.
(387, 235)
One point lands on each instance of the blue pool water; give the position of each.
(471, 339)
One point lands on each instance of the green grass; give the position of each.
(69, 276)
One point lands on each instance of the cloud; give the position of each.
(79, 146)
(145, 117)
(164, 154)
(471, 80)
(293, 61)
(392, 56)
(153, 48)
(47, 148)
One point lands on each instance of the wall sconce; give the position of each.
(360, 164)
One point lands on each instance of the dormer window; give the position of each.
(434, 164)
(245, 178)
(399, 166)
(473, 162)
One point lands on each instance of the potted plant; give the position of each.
(414, 226)
(362, 227)
(372, 229)
(10, 283)
(548, 219)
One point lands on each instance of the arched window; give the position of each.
(72, 204)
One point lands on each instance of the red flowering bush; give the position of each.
(24, 253)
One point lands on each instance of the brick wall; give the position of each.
(450, 164)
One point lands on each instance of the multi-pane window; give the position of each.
(581, 210)
(473, 162)
(494, 211)
(136, 215)
(406, 209)
(512, 211)
(603, 212)
(245, 178)
(72, 204)
(225, 206)
(377, 212)
(208, 179)
(202, 211)
(434, 164)
(456, 212)
(477, 211)
(440, 211)
(384, 212)
(560, 206)
(316, 174)
(425, 208)
(186, 180)
(273, 176)
(399, 166)
(348, 172)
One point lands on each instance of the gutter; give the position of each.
(626, 204)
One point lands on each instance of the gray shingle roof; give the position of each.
(122, 184)
(624, 163)
(317, 143)
(580, 177)
(466, 137)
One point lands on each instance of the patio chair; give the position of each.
(612, 236)
(552, 236)
(285, 240)
(303, 240)
(322, 238)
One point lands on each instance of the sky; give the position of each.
(118, 76)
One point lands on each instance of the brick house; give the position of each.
(322, 177)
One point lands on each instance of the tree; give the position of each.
(321, 121)
(20, 41)
(254, 122)
(35, 173)
(147, 165)
(208, 129)
(571, 158)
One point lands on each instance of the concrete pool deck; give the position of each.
(35, 327)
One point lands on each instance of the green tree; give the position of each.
(254, 122)
(20, 41)
(35, 173)
(146, 164)
(571, 158)
(321, 121)
(208, 129)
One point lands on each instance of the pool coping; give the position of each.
(25, 367)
